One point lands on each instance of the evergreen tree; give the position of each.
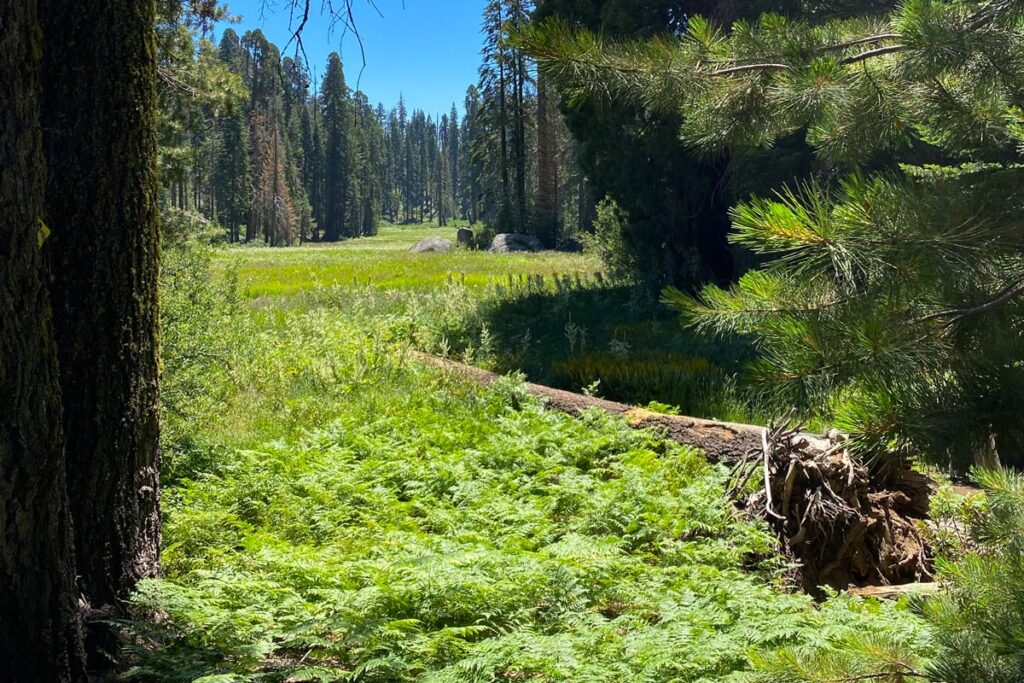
(517, 17)
(546, 217)
(390, 198)
(494, 111)
(675, 200)
(232, 183)
(445, 204)
(893, 306)
(471, 169)
(454, 160)
(296, 124)
(314, 168)
(102, 211)
(40, 628)
(336, 125)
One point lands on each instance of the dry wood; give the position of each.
(894, 592)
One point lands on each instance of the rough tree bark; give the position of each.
(40, 637)
(99, 110)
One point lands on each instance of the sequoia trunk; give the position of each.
(39, 634)
(99, 108)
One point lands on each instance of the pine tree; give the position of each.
(517, 18)
(546, 220)
(494, 84)
(892, 307)
(454, 159)
(232, 182)
(445, 204)
(40, 629)
(102, 212)
(336, 124)
(314, 169)
(296, 113)
(470, 167)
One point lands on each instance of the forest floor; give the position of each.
(336, 510)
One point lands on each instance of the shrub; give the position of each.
(980, 617)
(608, 241)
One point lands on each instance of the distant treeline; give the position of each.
(252, 141)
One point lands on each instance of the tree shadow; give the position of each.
(621, 336)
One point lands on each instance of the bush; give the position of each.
(979, 619)
(179, 226)
(199, 320)
(608, 241)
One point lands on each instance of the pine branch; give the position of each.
(958, 314)
(878, 676)
(773, 66)
(862, 41)
(871, 54)
(838, 47)
(750, 67)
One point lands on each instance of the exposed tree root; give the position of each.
(831, 516)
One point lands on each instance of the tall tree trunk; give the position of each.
(503, 113)
(99, 111)
(40, 636)
(547, 167)
(520, 137)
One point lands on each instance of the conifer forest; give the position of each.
(380, 341)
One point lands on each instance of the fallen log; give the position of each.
(841, 525)
(721, 441)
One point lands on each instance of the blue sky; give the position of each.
(428, 50)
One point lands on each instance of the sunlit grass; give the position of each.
(384, 261)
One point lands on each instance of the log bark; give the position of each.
(896, 592)
(99, 113)
(40, 637)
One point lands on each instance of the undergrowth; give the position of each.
(336, 512)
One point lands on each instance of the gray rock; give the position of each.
(465, 237)
(437, 245)
(507, 242)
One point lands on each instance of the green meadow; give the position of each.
(384, 262)
(552, 315)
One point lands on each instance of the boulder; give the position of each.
(432, 245)
(465, 238)
(507, 242)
